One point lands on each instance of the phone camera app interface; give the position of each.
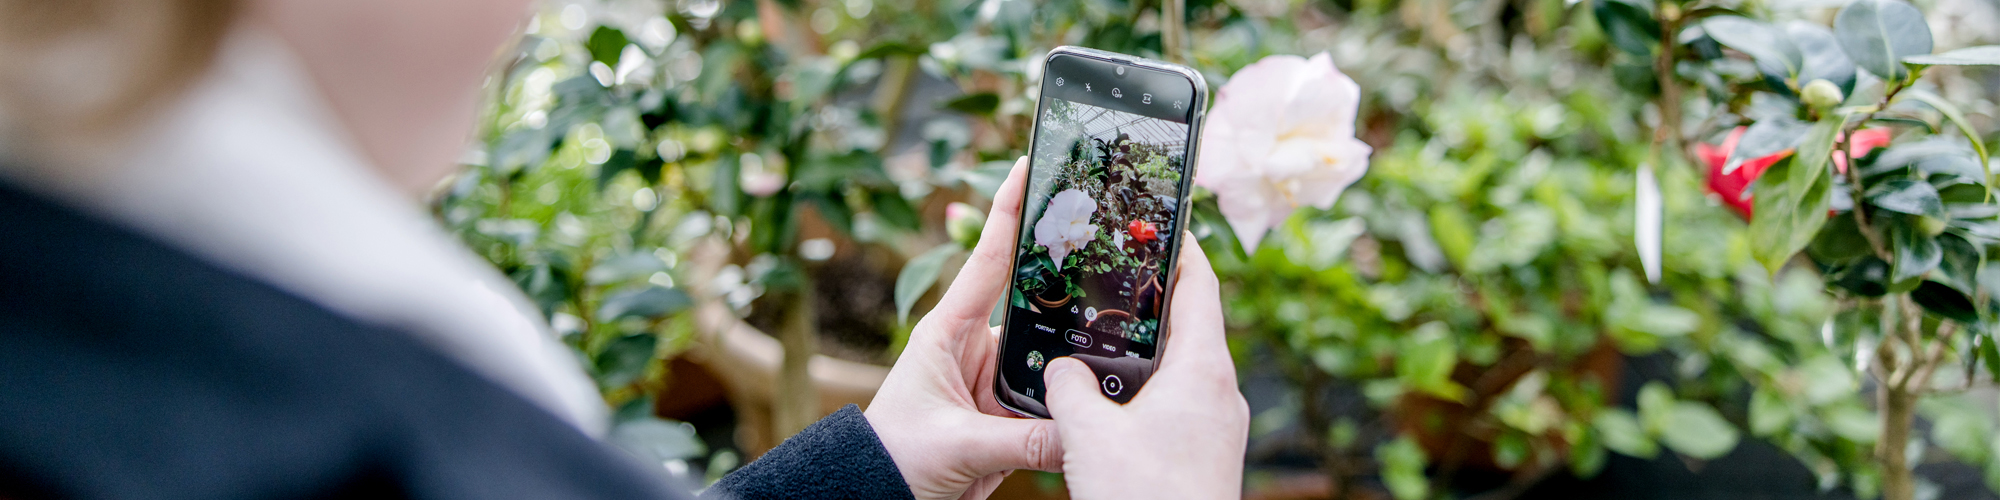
(1094, 256)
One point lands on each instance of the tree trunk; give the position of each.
(797, 402)
(1899, 411)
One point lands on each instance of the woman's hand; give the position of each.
(936, 413)
(1184, 434)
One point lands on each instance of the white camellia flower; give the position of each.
(1065, 226)
(1281, 136)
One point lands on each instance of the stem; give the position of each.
(797, 404)
(1668, 133)
(897, 76)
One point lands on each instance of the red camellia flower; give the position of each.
(1142, 231)
(1732, 187)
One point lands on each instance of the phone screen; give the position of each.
(1101, 223)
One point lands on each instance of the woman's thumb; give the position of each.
(1073, 390)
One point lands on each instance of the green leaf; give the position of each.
(1852, 422)
(1984, 55)
(1452, 228)
(1764, 138)
(1945, 301)
(649, 302)
(1403, 468)
(1908, 196)
(1951, 112)
(1991, 354)
(1655, 400)
(624, 267)
(1630, 26)
(1792, 199)
(918, 276)
(1878, 34)
(980, 104)
(1621, 433)
(1809, 164)
(625, 359)
(1916, 253)
(1964, 432)
(1696, 430)
(893, 209)
(1960, 265)
(1763, 42)
(1839, 242)
(1823, 58)
(1827, 379)
(1427, 359)
(656, 441)
(606, 44)
(1769, 413)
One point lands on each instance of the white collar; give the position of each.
(251, 170)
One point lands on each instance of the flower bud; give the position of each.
(749, 32)
(1931, 226)
(963, 222)
(1821, 94)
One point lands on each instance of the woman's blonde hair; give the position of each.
(76, 73)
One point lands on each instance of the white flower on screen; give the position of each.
(1065, 226)
(1281, 136)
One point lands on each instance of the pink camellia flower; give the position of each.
(1733, 187)
(1065, 225)
(1281, 136)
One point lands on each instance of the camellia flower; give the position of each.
(1281, 136)
(1142, 231)
(1733, 187)
(1065, 226)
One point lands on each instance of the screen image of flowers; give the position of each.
(1103, 198)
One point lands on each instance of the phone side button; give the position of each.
(1078, 338)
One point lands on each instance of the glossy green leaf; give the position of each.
(1908, 196)
(1945, 301)
(1867, 277)
(1916, 253)
(1957, 117)
(1878, 34)
(1630, 26)
(1984, 55)
(1960, 265)
(1621, 433)
(918, 275)
(1823, 58)
(649, 302)
(1764, 138)
(625, 359)
(1839, 242)
(1697, 430)
(1990, 354)
(1763, 42)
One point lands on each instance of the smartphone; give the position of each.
(1109, 171)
